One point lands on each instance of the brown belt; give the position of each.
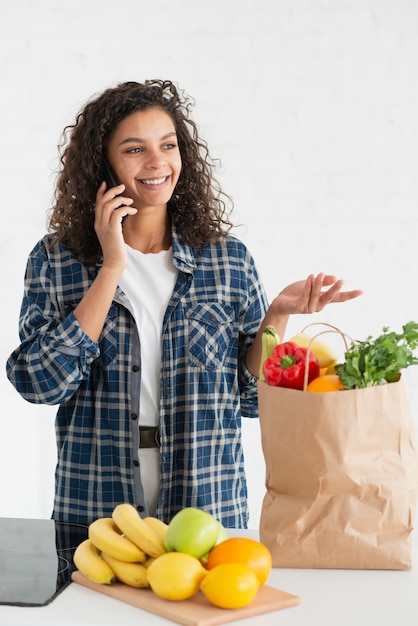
(149, 437)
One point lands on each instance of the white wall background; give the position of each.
(312, 107)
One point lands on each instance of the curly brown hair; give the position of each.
(198, 208)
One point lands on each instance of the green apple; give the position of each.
(192, 531)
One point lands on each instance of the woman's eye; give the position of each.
(136, 150)
(170, 146)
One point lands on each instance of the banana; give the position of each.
(106, 536)
(132, 574)
(158, 526)
(131, 524)
(325, 354)
(269, 340)
(88, 561)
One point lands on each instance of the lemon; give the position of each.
(230, 585)
(175, 576)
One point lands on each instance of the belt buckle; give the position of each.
(149, 437)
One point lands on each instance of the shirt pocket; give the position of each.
(210, 329)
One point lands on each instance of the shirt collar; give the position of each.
(183, 255)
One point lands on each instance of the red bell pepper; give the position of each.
(286, 366)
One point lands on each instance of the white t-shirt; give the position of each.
(148, 280)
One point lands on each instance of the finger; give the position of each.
(108, 194)
(123, 212)
(100, 192)
(119, 202)
(314, 303)
(317, 284)
(329, 279)
(333, 296)
(343, 296)
(306, 294)
(115, 191)
(106, 209)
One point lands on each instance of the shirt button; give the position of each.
(135, 368)
(134, 416)
(136, 463)
(140, 508)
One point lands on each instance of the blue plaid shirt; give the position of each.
(212, 318)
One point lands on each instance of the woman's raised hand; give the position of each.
(110, 210)
(309, 296)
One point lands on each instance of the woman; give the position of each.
(142, 316)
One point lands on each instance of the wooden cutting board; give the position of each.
(194, 612)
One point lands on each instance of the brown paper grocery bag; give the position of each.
(341, 477)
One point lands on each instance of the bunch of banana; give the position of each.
(121, 547)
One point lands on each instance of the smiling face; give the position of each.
(144, 154)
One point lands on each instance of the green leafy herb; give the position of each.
(375, 361)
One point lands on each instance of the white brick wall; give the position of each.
(310, 104)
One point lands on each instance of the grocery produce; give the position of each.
(242, 550)
(375, 361)
(192, 531)
(107, 537)
(176, 576)
(326, 355)
(88, 561)
(325, 382)
(230, 585)
(128, 520)
(132, 574)
(197, 555)
(286, 366)
(269, 340)
(367, 363)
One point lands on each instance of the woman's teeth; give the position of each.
(153, 181)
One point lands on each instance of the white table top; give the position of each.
(328, 598)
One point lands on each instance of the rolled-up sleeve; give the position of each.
(54, 355)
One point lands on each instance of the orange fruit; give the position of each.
(245, 551)
(327, 382)
(230, 585)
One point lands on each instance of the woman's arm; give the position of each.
(58, 343)
(92, 310)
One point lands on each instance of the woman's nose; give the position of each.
(155, 159)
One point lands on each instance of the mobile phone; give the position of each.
(110, 179)
(108, 175)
